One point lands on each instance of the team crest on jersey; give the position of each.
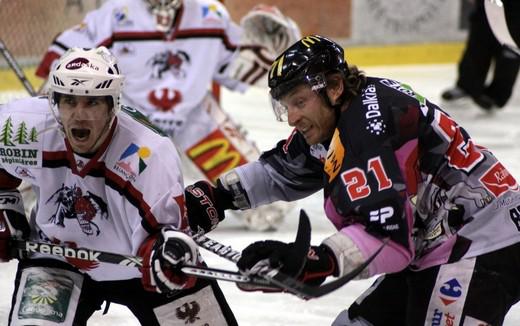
(132, 162)
(72, 204)
(169, 62)
(17, 144)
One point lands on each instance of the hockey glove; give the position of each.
(206, 205)
(262, 256)
(13, 223)
(163, 256)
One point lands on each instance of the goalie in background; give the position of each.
(394, 168)
(170, 52)
(105, 180)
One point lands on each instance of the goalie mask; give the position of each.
(86, 72)
(164, 12)
(307, 61)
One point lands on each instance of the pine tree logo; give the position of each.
(33, 136)
(23, 135)
(6, 134)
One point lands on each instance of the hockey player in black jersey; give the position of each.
(394, 169)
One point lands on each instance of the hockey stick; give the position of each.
(134, 261)
(128, 260)
(16, 68)
(272, 278)
(286, 282)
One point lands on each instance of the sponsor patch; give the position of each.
(375, 124)
(335, 156)
(19, 144)
(133, 161)
(449, 293)
(211, 14)
(498, 180)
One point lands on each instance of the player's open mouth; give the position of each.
(80, 134)
(304, 131)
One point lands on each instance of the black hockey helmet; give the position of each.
(307, 61)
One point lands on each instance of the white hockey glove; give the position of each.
(266, 34)
(13, 223)
(163, 256)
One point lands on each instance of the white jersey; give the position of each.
(110, 201)
(164, 73)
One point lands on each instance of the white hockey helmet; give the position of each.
(164, 12)
(86, 72)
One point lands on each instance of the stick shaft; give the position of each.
(16, 68)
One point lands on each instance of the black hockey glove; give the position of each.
(206, 205)
(261, 256)
(163, 256)
(13, 223)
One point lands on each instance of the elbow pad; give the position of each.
(348, 255)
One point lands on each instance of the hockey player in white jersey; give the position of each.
(170, 52)
(105, 179)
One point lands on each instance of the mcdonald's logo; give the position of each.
(309, 40)
(277, 65)
(215, 155)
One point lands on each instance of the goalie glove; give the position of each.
(267, 26)
(13, 223)
(266, 33)
(262, 256)
(163, 256)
